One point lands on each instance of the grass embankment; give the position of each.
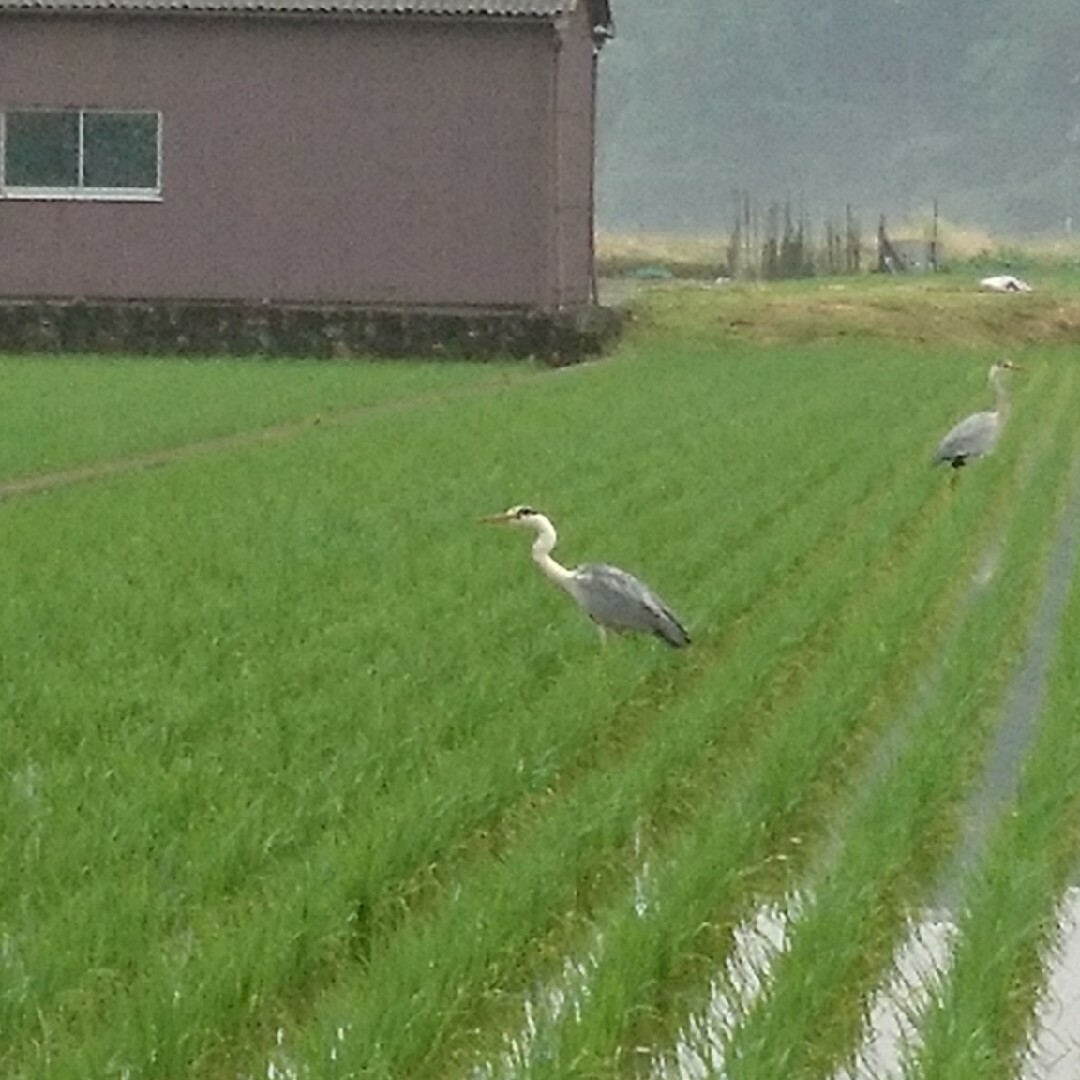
(293, 743)
(940, 312)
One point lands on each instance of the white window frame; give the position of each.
(80, 192)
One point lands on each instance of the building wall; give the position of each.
(382, 162)
(573, 160)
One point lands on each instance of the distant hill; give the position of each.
(884, 104)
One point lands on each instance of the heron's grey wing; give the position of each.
(973, 436)
(618, 600)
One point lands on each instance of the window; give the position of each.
(81, 154)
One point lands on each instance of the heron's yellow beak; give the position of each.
(495, 519)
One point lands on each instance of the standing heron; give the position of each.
(977, 435)
(612, 598)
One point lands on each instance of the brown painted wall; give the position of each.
(573, 160)
(346, 160)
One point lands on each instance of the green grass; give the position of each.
(59, 412)
(290, 743)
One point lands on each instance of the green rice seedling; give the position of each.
(364, 1037)
(980, 1018)
(206, 571)
(653, 777)
(838, 935)
(58, 412)
(840, 943)
(189, 593)
(608, 1007)
(293, 744)
(226, 578)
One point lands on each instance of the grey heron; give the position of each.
(977, 435)
(612, 598)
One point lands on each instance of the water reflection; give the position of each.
(553, 1001)
(1054, 1053)
(892, 1030)
(543, 1011)
(699, 1050)
(280, 1067)
(895, 1012)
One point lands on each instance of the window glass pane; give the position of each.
(41, 149)
(120, 150)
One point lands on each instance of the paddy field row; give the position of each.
(305, 773)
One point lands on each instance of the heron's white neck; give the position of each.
(1001, 398)
(542, 548)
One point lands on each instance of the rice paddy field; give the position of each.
(304, 773)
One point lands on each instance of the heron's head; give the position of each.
(516, 515)
(1002, 366)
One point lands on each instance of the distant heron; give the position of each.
(612, 598)
(977, 435)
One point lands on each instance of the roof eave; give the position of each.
(442, 10)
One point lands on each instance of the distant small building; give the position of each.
(419, 153)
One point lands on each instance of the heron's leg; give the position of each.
(957, 465)
(603, 635)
